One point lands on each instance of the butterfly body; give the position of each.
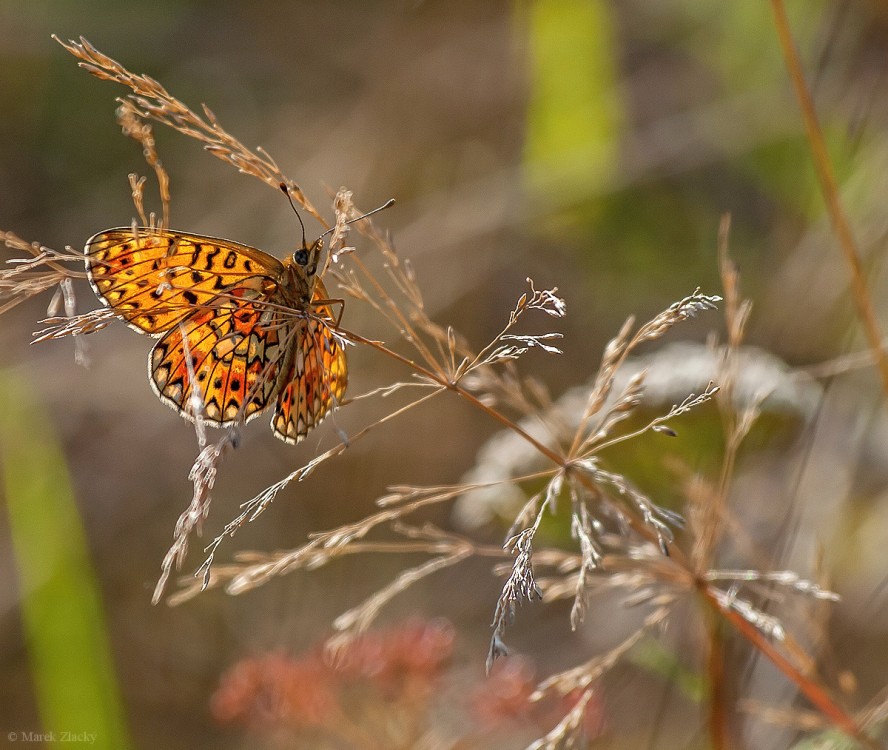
(239, 330)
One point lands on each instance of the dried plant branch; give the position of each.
(521, 585)
(582, 678)
(567, 733)
(708, 517)
(785, 578)
(358, 619)
(615, 354)
(596, 442)
(150, 100)
(203, 476)
(584, 675)
(135, 128)
(748, 624)
(252, 569)
(590, 554)
(709, 520)
(400, 494)
(43, 270)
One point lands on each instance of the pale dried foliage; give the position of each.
(623, 539)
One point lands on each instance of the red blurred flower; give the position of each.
(417, 650)
(504, 697)
(505, 694)
(275, 689)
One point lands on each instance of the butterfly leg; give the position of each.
(339, 302)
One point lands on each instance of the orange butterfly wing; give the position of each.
(154, 278)
(317, 377)
(222, 363)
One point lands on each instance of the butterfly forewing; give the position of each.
(155, 278)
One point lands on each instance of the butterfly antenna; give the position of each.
(286, 191)
(387, 204)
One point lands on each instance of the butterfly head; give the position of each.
(307, 256)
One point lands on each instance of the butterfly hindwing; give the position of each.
(316, 380)
(222, 362)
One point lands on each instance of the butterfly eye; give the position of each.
(300, 257)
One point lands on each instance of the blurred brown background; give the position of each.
(444, 106)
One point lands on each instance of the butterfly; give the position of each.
(238, 329)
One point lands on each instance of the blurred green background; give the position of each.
(590, 145)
